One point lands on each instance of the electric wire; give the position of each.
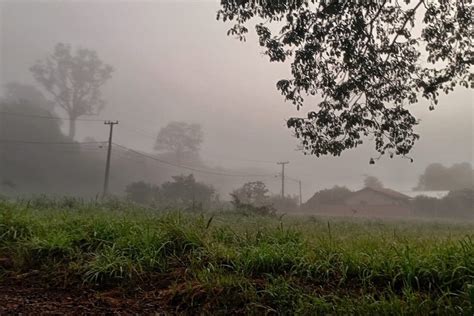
(15, 141)
(50, 117)
(192, 168)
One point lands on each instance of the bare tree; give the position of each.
(74, 81)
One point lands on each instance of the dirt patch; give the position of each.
(27, 299)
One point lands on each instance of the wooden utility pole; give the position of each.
(109, 152)
(301, 199)
(283, 163)
(3, 149)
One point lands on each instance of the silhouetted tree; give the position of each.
(438, 177)
(372, 182)
(181, 139)
(74, 81)
(37, 158)
(186, 190)
(457, 204)
(253, 197)
(21, 160)
(27, 100)
(142, 192)
(255, 193)
(365, 61)
(26, 94)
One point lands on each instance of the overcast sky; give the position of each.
(174, 62)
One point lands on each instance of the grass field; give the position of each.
(222, 263)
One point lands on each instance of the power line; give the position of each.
(243, 160)
(50, 117)
(76, 152)
(142, 132)
(123, 155)
(192, 168)
(128, 127)
(299, 187)
(14, 141)
(292, 179)
(283, 163)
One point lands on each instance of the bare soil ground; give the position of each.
(29, 298)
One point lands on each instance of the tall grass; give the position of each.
(226, 262)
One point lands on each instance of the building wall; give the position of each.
(367, 203)
(365, 210)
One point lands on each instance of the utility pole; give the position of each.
(301, 199)
(283, 163)
(3, 149)
(109, 151)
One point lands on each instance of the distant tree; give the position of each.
(74, 81)
(372, 182)
(438, 177)
(28, 165)
(365, 60)
(187, 191)
(24, 128)
(21, 93)
(142, 192)
(253, 198)
(181, 139)
(255, 193)
(457, 204)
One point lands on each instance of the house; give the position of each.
(379, 202)
(368, 202)
(439, 194)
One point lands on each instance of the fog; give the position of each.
(174, 62)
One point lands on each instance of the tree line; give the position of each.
(186, 193)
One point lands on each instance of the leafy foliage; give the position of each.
(73, 80)
(183, 191)
(365, 59)
(255, 193)
(186, 190)
(253, 197)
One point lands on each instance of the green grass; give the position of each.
(228, 263)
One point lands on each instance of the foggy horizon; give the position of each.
(174, 62)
